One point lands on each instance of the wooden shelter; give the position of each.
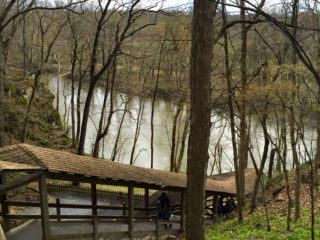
(41, 164)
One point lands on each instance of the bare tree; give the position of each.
(125, 32)
(44, 54)
(116, 148)
(231, 114)
(294, 22)
(154, 101)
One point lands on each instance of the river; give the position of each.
(163, 121)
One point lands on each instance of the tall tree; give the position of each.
(292, 120)
(243, 105)
(154, 101)
(45, 50)
(231, 112)
(200, 70)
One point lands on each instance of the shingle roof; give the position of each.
(17, 166)
(56, 161)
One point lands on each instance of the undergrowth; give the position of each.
(254, 227)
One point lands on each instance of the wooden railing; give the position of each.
(93, 220)
(118, 195)
(97, 235)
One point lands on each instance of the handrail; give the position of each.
(83, 206)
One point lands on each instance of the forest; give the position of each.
(199, 88)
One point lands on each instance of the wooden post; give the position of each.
(58, 209)
(124, 209)
(94, 209)
(146, 200)
(157, 228)
(215, 204)
(94, 200)
(183, 211)
(44, 208)
(130, 211)
(95, 228)
(4, 206)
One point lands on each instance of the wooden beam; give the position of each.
(5, 187)
(4, 206)
(183, 211)
(114, 182)
(146, 200)
(44, 208)
(131, 211)
(12, 216)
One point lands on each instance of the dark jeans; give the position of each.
(163, 215)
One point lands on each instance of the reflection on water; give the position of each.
(163, 119)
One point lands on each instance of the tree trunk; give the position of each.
(173, 164)
(292, 117)
(232, 116)
(263, 160)
(200, 70)
(115, 148)
(272, 154)
(33, 93)
(312, 199)
(242, 107)
(284, 166)
(1, 92)
(93, 78)
(85, 118)
(101, 135)
(317, 156)
(73, 123)
(101, 121)
(183, 140)
(153, 102)
(137, 132)
(58, 87)
(79, 100)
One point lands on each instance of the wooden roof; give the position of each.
(25, 156)
(228, 180)
(17, 166)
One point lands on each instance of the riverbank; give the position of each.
(44, 125)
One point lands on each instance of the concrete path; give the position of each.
(27, 231)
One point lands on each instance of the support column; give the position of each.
(94, 202)
(215, 204)
(146, 200)
(130, 211)
(95, 228)
(58, 209)
(4, 206)
(94, 199)
(183, 211)
(44, 208)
